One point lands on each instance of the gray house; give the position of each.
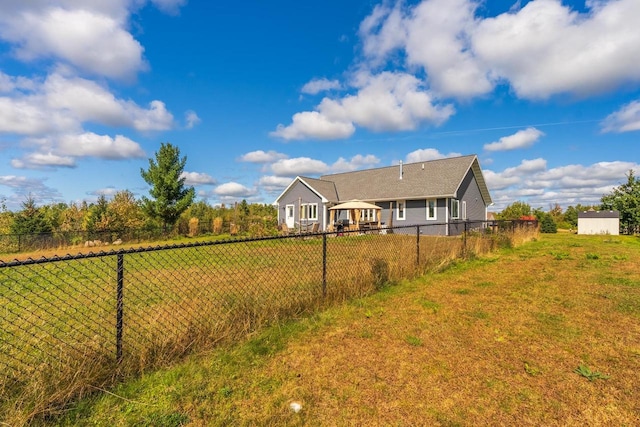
(447, 192)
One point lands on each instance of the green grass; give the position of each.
(58, 319)
(408, 355)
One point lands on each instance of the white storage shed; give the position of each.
(599, 222)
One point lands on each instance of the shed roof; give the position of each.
(599, 214)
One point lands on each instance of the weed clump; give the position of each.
(380, 272)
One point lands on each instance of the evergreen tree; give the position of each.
(547, 224)
(169, 195)
(625, 199)
(30, 220)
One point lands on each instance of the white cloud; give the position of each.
(320, 85)
(426, 154)
(24, 187)
(92, 41)
(312, 124)
(387, 102)
(434, 36)
(61, 105)
(383, 102)
(197, 178)
(11, 83)
(299, 166)
(90, 36)
(499, 181)
(540, 186)
(522, 139)
(86, 101)
(191, 119)
(626, 119)
(233, 189)
(542, 49)
(382, 32)
(545, 48)
(90, 144)
(39, 160)
(155, 118)
(29, 116)
(357, 162)
(260, 156)
(107, 192)
(273, 184)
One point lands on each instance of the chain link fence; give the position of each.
(71, 322)
(15, 243)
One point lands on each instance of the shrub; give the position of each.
(547, 225)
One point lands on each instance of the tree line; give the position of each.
(624, 198)
(170, 208)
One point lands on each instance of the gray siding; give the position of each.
(469, 192)
(416, 214)
(297, 194)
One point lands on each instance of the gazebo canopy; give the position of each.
(354, 204)
(355, 207)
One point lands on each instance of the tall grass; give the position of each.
(185, 300)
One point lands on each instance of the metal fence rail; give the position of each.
(97, 315)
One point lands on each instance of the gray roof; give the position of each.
(325, 188)
(435, 178)
(599, 214)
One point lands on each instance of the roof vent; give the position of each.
(400, 169)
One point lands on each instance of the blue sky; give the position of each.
(545, 92)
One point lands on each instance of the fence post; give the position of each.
(324, 265)
(464, 237)
(417, 246)
(119, 307)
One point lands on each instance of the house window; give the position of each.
(401, 210)
(455, 209)
(464, 210)
(368, 215)
(309, 211)
(431, 209)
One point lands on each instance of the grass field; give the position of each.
(543, 334)
(58, 335)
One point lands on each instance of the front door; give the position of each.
(290, 215)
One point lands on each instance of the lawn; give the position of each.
(546, 333)
(59, 334)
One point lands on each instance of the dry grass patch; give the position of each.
(517, 347)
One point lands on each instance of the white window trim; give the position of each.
(435, 210)
(367, 215)
(404, 210)
(457, 204)
(306, 211)
(464, 210)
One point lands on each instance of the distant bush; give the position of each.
(547, 225)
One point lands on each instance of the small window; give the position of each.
(309, 211)
(455, 209)
(431, 209)
(464, 210)
(401, 210)
(368, 215)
